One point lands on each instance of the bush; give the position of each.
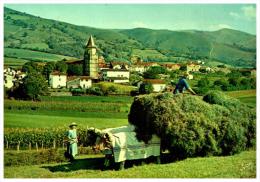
(145, 88)
(188, 126)
(77, 92)
(95, 91)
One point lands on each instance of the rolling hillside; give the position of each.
(24, 32)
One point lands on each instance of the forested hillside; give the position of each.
(26, 32)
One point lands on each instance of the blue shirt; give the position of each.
(181, 86)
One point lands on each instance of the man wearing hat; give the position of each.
(72, 148)
(182, 85)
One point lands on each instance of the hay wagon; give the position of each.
(120, 144)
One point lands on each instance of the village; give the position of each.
(96, 69)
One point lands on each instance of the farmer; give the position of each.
(71, 138)
(182, 85)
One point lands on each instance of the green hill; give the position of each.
(25, 32)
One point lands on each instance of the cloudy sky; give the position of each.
(155, 16)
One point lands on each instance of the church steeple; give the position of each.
(90, 42)
(90, 61)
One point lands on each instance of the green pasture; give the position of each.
(42, 118)
(33, 55)
(241, 165)
(14, 62)
(246, 96)
(99, 112)
(148, 53)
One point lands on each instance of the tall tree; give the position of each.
(61, 66)
(34, 85)
(47, 69)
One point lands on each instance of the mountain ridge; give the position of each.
(227, 46)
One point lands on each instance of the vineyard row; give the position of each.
(39, 138)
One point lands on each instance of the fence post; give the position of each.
(54, 144)
(18, 146)
(30, 146)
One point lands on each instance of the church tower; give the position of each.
(90, 61)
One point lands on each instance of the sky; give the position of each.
(207, 17)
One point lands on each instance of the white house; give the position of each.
(158, 84)
(57, 79)
(116, 76)
(79, 82)
(143, 66)
(192, 67)
(119, 65)
(9, 71)
(190, 76)
(8, 81)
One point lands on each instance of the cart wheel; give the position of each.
(158, 160)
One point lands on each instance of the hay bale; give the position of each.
(189, 126)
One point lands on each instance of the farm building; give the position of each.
(158, 84)
(172, 66)
(57, 79)
(116, 76)
(192, 67)
(79, 82)
(141, 67)
(118, 65)
(8, 81)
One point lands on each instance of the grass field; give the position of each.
(92, 116)
(31, 55)
(246, 96)
(45, 120)
(55, 118)
(14, 62)
(242, 165)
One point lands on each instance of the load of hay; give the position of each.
(193, 126)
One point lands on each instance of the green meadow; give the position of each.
(241, 165)
(92, 111)
(17, 57)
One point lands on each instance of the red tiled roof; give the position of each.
(118, 63)
(170, 65)
(146, 64)
(57, 73)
